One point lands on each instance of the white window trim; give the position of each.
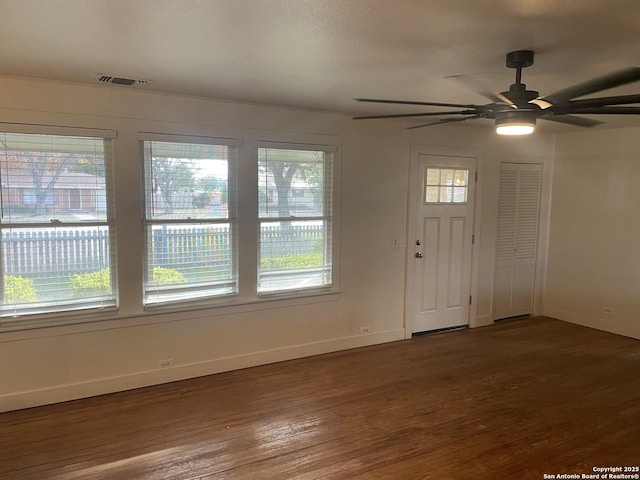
(332, 149)
(58, 130)
(296, 146)
(246, 141)
(28, 319)
(232, 221)
(178, 138)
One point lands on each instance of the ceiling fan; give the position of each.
(515, 111)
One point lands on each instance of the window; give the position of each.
(446, 185)
(57, 251)
(295, 216)
(58, 225)
(190, 221)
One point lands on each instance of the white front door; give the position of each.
(440, 251)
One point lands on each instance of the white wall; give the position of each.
(594, 244)
(54, 364)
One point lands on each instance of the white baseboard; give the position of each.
(610, 325)
(73, 391)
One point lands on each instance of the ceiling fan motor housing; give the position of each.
(519, 94)
(520, 59)
(515, 116)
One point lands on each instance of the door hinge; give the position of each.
(473, 239)
(470, 298)
(476, 176)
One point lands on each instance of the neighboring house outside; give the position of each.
(72, 192)
(75, 192)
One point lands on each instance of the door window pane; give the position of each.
(446, 185)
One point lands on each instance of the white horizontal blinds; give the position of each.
(295, 211)
(190, 221)
(518, 211)
(56, 223)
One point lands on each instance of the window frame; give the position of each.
(49, 313)
(328, 217)
(232, 220)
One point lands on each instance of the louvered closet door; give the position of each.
(517, 240)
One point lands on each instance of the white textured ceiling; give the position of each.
(320, 54)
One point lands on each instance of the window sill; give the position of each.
(76, 323)
(229, 304)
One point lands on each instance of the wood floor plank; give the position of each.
(515, 400)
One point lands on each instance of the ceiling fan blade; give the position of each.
(408, 102)
(480, 90)
(572, 120)
(615, 79)
(423, 114)
(562, 110)
(444, 120)
(602, 101)
(507, 100)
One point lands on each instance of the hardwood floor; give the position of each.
(517, 400)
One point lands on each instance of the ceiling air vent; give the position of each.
(127, 82)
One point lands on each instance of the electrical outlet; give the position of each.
(364, 330)
(165, 363)
(607, 310)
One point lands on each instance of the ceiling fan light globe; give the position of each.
(515, 129)
(515, 125)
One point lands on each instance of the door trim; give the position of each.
(416, 152)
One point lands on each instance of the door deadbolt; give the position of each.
(418, 242)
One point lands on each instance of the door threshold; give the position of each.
(515, 317)
(439, 330)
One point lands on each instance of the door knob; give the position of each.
(419, 255)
